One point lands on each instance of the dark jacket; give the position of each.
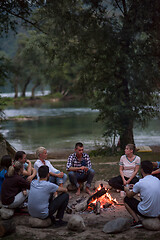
(11, 186)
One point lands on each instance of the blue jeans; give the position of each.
(76, 177)
(58, 180)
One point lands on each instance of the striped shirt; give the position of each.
(74, 162)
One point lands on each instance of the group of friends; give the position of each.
(42, 186)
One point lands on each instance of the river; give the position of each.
(60, 126)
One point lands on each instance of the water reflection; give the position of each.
(60, 127)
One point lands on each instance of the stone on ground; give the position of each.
(105, 184)
(118, 225)
(76, 223)
(151, 224)
(39, 223)
(6, 213)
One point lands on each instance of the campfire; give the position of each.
(100, 199)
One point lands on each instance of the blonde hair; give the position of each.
(40, 151)
(15, 168)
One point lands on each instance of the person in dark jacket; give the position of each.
(14, 187)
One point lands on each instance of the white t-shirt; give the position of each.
(129, 167)
(149, 189)
(38, 199)
(39, 163)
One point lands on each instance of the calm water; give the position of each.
(59, 127)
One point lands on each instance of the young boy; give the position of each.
(40, 201)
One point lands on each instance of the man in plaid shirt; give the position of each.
(80, 168)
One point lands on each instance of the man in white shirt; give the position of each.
(149, 189)
(56, 176)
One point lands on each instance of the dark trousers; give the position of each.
(117, 182)
(58, 204)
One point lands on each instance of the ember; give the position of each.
(100, 199)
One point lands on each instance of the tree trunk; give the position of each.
(15, 87)
(127, 135)
(25, 87)
(33, 89)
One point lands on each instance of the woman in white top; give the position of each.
(129, 167)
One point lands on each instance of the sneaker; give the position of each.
(60, 223)
(136, 224)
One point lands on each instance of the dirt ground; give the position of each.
(94, 225)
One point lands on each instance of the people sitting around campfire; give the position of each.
(156, 169)
(149, 189)
(29, 172)
(80, 169)
(41, 203)
(6, 162)
(56, 176)
(129, 167)
(14, 187)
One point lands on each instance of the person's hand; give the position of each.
(128, 181)
(82, 168)
(60, 175)
(27, 161)
(124, 182)
(24, 192)
(86, 169)
(29, 178)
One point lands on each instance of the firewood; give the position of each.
(98, 207)
(96, 195)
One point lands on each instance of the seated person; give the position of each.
(56, 176)
(156, 169)
(5, 163)
(14, 187)
(40, 201)
(28, 171)
(79, 167)
(129, 167)
(149, 189)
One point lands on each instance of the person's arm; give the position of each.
(134, 174)
(122, 175)
(75, 169)
(29, 169)
(156, 172)
(62, 189)
(129, 193)
(34, 173)
(60, 175)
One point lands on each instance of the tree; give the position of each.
(118, 43)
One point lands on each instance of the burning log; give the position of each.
(96, 195)
(106, 205)
(98, 207)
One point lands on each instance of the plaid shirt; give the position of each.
(73, 161)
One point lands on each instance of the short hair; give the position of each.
(19, 155)
(131, 146)
(147, 166)
(78, 144)
(6, 162)
(40, 151)
(43, 171)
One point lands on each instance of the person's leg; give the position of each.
(61, 181)
(116, 183)
(19, 199)
(134, 180)
(73, 178)
(52, 179)
(59, 204)
(131, 205)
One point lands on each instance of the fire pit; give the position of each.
(100, 199)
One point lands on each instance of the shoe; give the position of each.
(136, 224)
(60, 223)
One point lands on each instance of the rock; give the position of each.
(6, 227)
(39, 223)
(6, 213)
(3, 149)
(105, 184)
(118, 225)
(81, 206)
(76, 223)
(151, 224)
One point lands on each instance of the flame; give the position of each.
(106, 198)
